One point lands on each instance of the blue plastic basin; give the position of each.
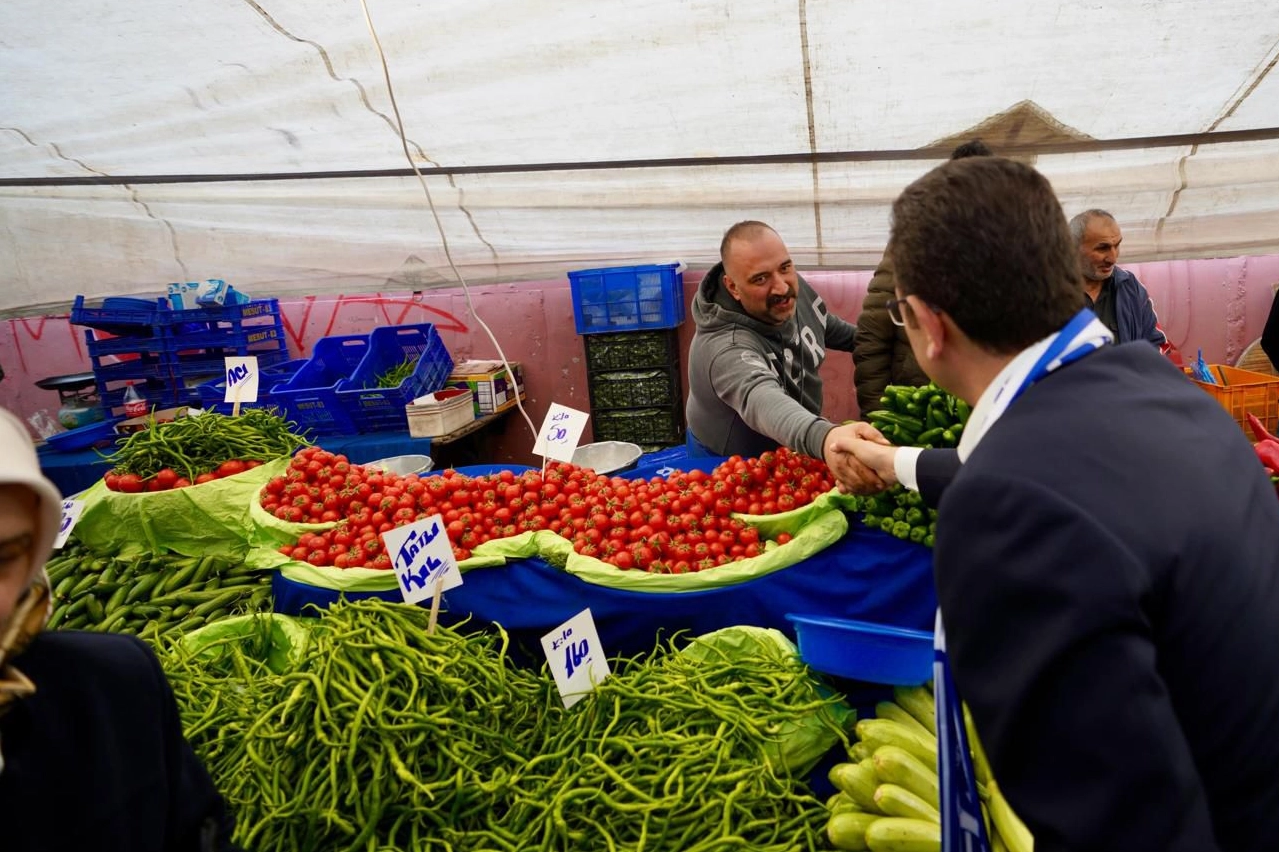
(875, 653)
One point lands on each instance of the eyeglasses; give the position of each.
(895, 306)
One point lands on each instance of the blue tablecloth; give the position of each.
(74, 472)
(867, 575)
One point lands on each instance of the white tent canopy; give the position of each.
(149, 141)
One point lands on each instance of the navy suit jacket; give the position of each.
(1107, 566)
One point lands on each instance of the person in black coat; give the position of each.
(1270, 334)
(91, 748)
(1107, 555)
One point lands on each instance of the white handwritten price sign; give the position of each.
(71, 510)
(576, 658)
(422, 556)
(560, 432)
(241, 379)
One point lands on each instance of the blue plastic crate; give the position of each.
(212, 394)
(98, 346)
(228, 334)
(119, 315)
(225, 313)
(310, 397)
(102, 432)
(375, 409)
(627, 298)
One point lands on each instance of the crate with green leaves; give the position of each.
(631, 349)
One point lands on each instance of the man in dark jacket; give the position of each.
(882, 356)
(1270, 334)
(91, 748)
(1115, 295)
(762, 334)
(1109, 635)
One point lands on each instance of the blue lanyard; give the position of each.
(1065, 339)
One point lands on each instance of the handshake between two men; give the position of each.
(860, 458)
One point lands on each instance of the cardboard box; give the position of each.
(488, 382)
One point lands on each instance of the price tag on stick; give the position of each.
(71, 510)
(422, 558)
(241, 381)
(560, 432)
(576, 658)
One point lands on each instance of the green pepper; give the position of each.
(929, 540)
(901, 530)
(914, 516)
(873, 521)
(899, 514)
(918, 534)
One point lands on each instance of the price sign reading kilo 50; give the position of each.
(561, 430)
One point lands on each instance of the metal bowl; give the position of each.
(607, 456)
(403, 465)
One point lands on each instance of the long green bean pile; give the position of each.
(382, 737)
(195, 445)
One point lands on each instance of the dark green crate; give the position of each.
(637, 388)
(631, 349)
(648, 427)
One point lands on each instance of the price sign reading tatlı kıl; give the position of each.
(561, 430)
(423, 558)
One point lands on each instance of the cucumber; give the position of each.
(900, 802)
(901, 834)
(881, 732)
(895, 765)
(847, 830)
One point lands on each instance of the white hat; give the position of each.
(19, 464)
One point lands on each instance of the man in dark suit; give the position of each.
(1107, 558)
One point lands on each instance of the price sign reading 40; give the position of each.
(577, 661)
(560, 432)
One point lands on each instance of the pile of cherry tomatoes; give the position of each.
(166, 478)
(678, 524)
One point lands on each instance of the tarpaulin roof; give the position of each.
(254, 140)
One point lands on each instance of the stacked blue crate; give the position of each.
(169, 353)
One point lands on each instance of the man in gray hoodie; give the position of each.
(762, 334)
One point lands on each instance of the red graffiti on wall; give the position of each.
(395, 310)
(35, 334)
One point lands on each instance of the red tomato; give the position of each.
(130, 483)
(182, 482)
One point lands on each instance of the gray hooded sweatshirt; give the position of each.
(753, 387)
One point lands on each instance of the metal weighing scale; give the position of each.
(78, 394)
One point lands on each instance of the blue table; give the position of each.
(867, 575)
(74, 472)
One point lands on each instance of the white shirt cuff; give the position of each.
(904, 462)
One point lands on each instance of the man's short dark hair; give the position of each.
(741, 231)
(985, 240)
(973, 148)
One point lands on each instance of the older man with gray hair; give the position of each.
(1115, 295)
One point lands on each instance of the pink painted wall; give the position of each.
(1219, 305)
